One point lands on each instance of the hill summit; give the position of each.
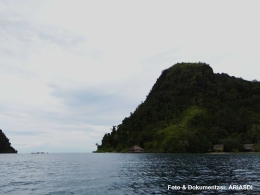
(189, 109)
(5, 145)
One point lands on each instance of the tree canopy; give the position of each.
(189, 109)
(5, 145)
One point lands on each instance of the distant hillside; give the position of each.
(5, 145)
(189, 109)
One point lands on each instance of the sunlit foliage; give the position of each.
(189, 109)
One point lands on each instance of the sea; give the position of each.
(129, 173)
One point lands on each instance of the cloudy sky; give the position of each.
(70, 70)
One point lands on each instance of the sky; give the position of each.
(70, 70)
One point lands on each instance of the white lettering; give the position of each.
(170, 187)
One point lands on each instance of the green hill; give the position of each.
(189, 109)
(5, 145)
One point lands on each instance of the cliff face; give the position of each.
(189, 109)
(5, 145)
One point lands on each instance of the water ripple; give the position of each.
(126, 173)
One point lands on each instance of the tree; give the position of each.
(189, 109)
(256, 132)
(97, 146)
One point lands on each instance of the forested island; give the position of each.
(5, 145)
(189, 109)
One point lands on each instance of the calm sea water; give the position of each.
(127, 173)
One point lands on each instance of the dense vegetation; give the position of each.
(5, 145)
(189, 109)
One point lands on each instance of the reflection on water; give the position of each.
(127, 173)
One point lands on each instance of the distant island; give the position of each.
(192, 109)
(5, 145)
(39, 153)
